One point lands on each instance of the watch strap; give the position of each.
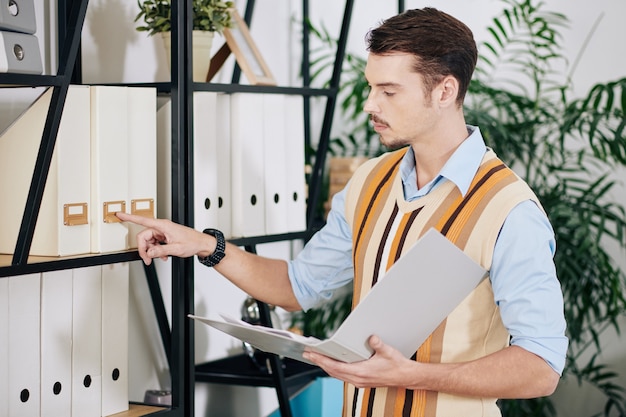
(214, 258)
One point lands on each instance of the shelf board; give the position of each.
(272, 89)
(166, 88)
(243, 241)
(29, 80)
(138, 410)
(239, 370)
(47, 263)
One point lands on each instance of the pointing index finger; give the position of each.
(134, 218)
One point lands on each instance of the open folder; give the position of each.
(406, 305)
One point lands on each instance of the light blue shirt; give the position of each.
(522, 274)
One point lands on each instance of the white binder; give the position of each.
(18, 151)
(4, 346)
(164, 161)
(247, 165)
(115, 288)
(274, 141)
(296, 177)
(142, 156)
(56, 343)
(18, 16)
(19, 53)
(224, 197)
(62, 225)
(24, 361)
(207, 156)
(205, 159)
(109, 167)
(87, 342)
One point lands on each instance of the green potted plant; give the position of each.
(209, 17)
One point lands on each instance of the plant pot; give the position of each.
(201, 52)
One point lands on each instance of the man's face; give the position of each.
(400, 109)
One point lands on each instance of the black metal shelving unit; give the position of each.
(286, 376)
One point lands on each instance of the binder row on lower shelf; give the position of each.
(64, 342)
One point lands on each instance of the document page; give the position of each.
(415, 295)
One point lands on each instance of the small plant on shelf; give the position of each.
(208, 15)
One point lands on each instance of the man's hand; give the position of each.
(163, 238)
(387, 367)
(489, 376)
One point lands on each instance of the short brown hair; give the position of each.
(441, 44)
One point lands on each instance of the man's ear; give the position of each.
(448, 91)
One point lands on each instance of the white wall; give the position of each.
(114, 52)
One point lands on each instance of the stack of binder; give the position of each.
(211, 139)
(267, 164)
(123, 163)
(64, 342)
(19, 46)
(249, 167)
(104, 161)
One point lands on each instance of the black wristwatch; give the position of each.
(219, 254)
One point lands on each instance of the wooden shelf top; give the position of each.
(138, 410)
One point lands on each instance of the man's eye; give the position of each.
(388, 93)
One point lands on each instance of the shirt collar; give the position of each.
(460, 168)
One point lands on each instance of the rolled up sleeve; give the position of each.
(526, 287)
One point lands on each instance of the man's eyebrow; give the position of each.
(388, 84)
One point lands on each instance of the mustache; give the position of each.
(378, 120)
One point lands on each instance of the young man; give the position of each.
(506, 340)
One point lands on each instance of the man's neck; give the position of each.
(432, 155)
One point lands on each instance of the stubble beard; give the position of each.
(392, 143)
(388, 141)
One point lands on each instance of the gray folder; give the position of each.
(407, 304)
(18, 16)
(19, 53)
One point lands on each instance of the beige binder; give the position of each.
(24, 361)
(247, 165)
(115, 287)
(224, 195)
(274, 153)
(205, 159)
(296, 177)
(4, 346)
(142, 156)
(109, 167)
(56, 343)
(164, 160)
(62, 225)
(87, 341)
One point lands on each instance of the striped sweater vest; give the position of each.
(385, 225)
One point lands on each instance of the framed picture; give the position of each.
(247, 54)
